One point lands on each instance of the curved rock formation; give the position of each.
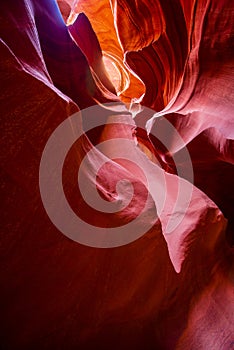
(173, 287)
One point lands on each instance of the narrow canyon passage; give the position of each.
(117, 167)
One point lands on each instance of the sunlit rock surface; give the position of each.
(161, 291)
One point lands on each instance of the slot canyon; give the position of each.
(117, 172)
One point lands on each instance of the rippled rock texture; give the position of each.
(156, 61)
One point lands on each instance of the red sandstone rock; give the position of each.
(161, 291)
